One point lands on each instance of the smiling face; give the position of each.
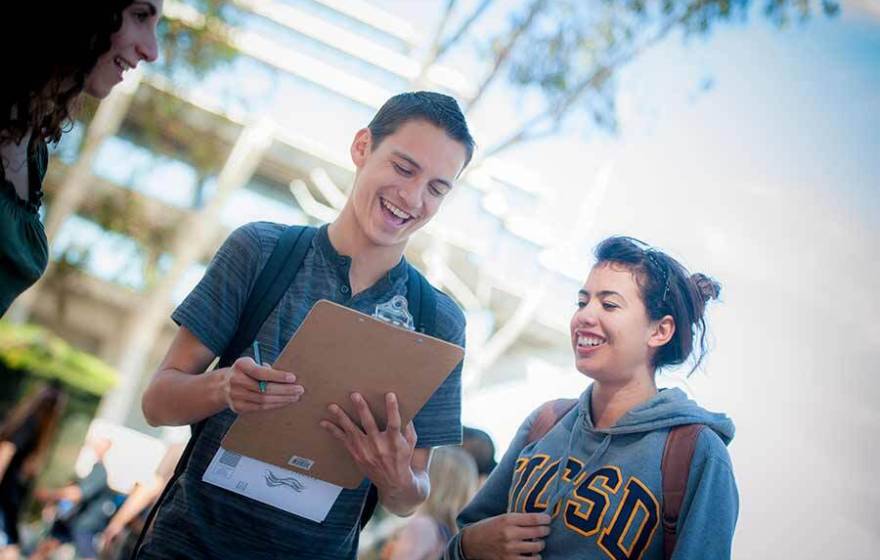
(611, 334)
(133, 42)
(400, 184)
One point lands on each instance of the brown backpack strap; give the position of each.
(675, 468)
(548, 415)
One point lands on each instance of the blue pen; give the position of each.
(257, 358)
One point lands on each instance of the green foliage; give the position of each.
(571, 51)
(35, 350)
(198, 44)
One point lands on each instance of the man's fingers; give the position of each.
(252, 407)
(333, 429)
(392, 413)
(409, 433)
(342, 420)
(277, 399)
(365, 414)
(263, 373)
(270, 388)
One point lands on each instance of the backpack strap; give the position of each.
(422, 305)
(275, 278)
(422, 301)
(675, 468)
(549, 414)
(273, 281)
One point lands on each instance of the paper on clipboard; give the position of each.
(281, 488)
(337, 351)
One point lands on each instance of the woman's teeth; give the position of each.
(122, 63)
(589, 341)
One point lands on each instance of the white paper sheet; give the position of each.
(287, 490)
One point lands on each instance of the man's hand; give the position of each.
(247, 387)
(506, 536)
(385, 457)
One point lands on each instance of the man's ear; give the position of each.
(361, 147)
(662, 332)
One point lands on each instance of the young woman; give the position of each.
(591, 487)
(25, 437)
(89, 46)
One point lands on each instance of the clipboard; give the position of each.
(337, 351)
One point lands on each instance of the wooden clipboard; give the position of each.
(337, 351)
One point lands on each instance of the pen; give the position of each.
(259, 359)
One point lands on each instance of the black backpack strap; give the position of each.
(273, 281)
(422, 305)
(423, 298)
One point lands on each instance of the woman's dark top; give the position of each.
(24, 251)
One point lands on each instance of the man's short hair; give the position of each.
(436, 108)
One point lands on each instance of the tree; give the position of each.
(569, 51)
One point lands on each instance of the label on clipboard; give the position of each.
(286, 490)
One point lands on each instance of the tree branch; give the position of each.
(557, 111)
(434, 50)
(502, 55)
(463, 28)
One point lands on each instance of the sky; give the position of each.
(770, 181)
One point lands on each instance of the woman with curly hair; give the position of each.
(88, 46)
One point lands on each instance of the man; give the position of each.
(406, 162)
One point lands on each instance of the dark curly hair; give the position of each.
(41, 92)
(667, 289)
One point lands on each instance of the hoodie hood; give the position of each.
(668, 408)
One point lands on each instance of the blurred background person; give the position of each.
(481, 447)
(25, 439)
(120, 536)
(82, 509)
(454, 480)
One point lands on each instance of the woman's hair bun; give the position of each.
(707, 287)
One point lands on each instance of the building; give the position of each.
(266, 138)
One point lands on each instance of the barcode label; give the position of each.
(230, 459)
(301, 463)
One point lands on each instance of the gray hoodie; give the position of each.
(608, 501)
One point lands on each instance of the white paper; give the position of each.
(287, 490)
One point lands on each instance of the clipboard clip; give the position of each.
(396, 312)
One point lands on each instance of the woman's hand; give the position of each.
(506, 536)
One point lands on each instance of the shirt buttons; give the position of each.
(344, 289)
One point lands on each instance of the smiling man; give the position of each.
(406, 161)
